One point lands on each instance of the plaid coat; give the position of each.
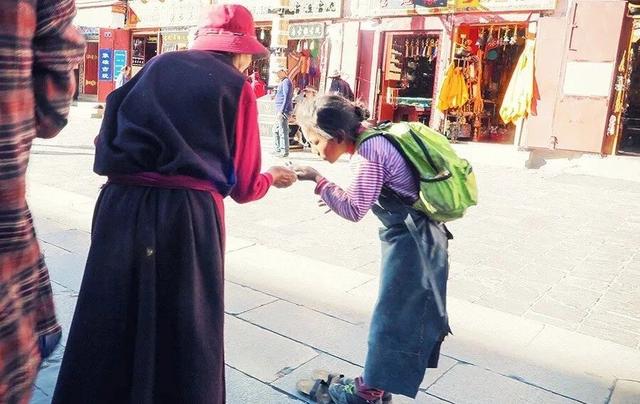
(38, 50)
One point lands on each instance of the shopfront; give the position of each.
(409, 75)
(484, 60)
(159, 26)
(627, 102)
(401, 49)
(305, 53)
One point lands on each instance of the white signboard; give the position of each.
(588, 79)
(169, 13)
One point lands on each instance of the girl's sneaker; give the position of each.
(345, 392)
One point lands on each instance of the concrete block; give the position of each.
(242, 389)
(310, 327)
(626, 392)
(262, 354)
(615, 320)
(592, 356)
(483, 386)
(608, 333)
(511, 305)
(300, 280)
(238, 299)
(503, 343)
(550, 307)
(551, 321)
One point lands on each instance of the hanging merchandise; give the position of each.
(454, 93)
(519, 96)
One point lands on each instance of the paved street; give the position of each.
(544, 282)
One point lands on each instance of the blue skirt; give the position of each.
(408, 327)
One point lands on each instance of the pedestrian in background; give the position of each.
(284, 108)
(339, 86)
(123, 76)
(407, 327)
(177, 139)
(38, 50)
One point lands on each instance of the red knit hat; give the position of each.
(229, 28)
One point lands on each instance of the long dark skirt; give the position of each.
(407, 328)
(148, 327)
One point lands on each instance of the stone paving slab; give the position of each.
(67, 269)
(71, 240)
(325, 333)
(242, 389)
(482, 386)
(239, 299)
(626, 392)
(299, 279)
(541, 233)
(260, 353)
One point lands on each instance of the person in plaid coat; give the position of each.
(38, 50)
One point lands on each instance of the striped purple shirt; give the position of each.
(377, 163)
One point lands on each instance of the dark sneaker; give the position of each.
(345, 393)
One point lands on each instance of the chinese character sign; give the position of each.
(105, 66)
(119, 61)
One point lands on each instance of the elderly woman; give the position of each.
(176, 140)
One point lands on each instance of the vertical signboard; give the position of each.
(119, 61)
(105, 64)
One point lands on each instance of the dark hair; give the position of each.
(335, 116)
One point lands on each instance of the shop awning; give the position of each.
(168, 13)
(100, 14)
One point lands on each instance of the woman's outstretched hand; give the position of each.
(306, 173)
(282, 177)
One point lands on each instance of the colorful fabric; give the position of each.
(519, 96)
(376, 164)
(38, 50)
(454, 92)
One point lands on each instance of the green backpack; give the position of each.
(447, 182)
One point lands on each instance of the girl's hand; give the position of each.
(306, 173)
(282, 177)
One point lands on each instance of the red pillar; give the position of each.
(110, 40)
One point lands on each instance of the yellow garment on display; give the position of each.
(454, 92)
(518, 98)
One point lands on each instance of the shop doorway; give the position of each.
(408, 76)
(143, 48)
(89, 71)
(260, 65)
(303, 61)
(629, 142)
(485, 57)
